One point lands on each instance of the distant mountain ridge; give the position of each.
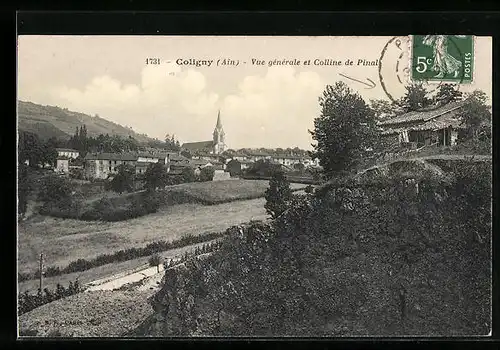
(51, 121)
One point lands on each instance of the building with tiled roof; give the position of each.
(435, 125)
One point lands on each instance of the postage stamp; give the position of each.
(439, 58)
(258, 186)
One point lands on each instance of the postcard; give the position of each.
(254, 186)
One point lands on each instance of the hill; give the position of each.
(50, 121)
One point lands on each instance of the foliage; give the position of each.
(299, 167)
(23, 188)
(54, 188)
(447, 93)
(155, 260)
(262, 168)
(345, 131)
(188, 175)
(349, 260)
(415, 98)
(383, 109)
(102, 143)
(475, 113)
(155, 176)
(277, 195)
(207, 174)
(35, 151)
(28, 302)
(171, 144)
(124, 179)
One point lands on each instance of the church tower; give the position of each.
(219, 135)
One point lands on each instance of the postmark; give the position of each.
(438, 58)
(395, 71)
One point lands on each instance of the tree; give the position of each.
(446, 94)
(188, 174)
(23, 188)
(30, 149)
(207, 174)
(299, 167)
(124, 179)
(475, 112)
(186, 154)
(415, 98)
(54, 189)
(155, 260)
(155, 176)
(278, 194)
(344, 131)
(383, 109)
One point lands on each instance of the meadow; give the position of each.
(65, 240)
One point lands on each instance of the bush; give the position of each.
(54, 188)
(361, 256)
(277, 195)
(155, 260)
(28, 302)
(207, 174)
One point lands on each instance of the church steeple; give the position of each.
(219, 123)
(219, 134)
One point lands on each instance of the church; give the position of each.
(215, 146)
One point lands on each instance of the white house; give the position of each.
(67, 152)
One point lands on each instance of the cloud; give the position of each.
(167, 100)
(273, 110)
(270, 110)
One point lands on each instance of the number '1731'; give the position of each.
(153, 61)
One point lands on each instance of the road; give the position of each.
(124, 278)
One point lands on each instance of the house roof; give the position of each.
(199, 162)
(175, 156)
(112, 156)
(147, 155)
(423, 115)
(67, 150)
(201, 145)
(287, 156)
(143, 164)
(431, 125)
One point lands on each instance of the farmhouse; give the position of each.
(431, 126)
(67, 152)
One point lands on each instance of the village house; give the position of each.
(101, 165)
(236, 166)
(67, 152)
(432, 126)
(62, 165)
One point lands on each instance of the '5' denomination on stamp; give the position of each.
(442, 58)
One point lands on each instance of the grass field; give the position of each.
(65, 240)
(215, 192)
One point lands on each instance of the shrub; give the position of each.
(155, 260)
(54, 188)
(207, 174)
(277, 195)
(28, 302)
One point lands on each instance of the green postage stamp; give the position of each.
(442, 58)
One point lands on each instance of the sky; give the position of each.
(260, 105)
